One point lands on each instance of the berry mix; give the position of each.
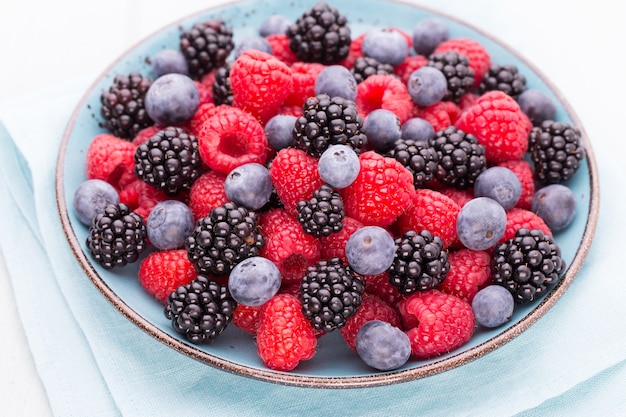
(399, 188)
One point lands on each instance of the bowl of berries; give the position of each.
(320, 197)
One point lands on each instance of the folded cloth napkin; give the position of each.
(95, 362)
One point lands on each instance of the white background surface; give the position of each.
(577, 45)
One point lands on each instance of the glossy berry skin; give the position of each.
(256, 42)
(500, 184)
(382, 128)
(417, 129)
(163, 271)
(481, 223)
(91, 197)
(493, 306)
(336, 81)
(427, 86)
(556, 205)
(172, 99)
(370, 250)
(537, 105)
(386, 46)
(275, 24)
(168, 61)
(383, 346)
(254, 281)
(372, 308)
(249, 185)
(279, 130)
(339, 166)
(428, 34)
(170, 222)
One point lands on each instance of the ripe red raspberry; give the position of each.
(380, 286)
(279, 43)
(458, 196)
(247, 318)
(145, 134)
(440, 115)
(207, 193)
(260, 83)
(371, 308)
(355, 51)
(479, 58)
(525, 173)
(285, 337)
(109, 158)
(334, 245)
(410, 64)
(468, 100)
(161, 272)
(295, 111)
(381, 192)
(433, 211)
(470, 270)
(141, 197)
(295, 177)
(304, 75)
(384, 91)
(231, 137)
(518, 218)
(499, 125)
(436, 322)
(203, 112)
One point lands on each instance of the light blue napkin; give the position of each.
(94, 362)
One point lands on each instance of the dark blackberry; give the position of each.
(461, 157)
(505, 78)
(328, 121)
(200, 310)
(222, 91)
(117, 236)
(228, 235)
(206, 46)
(321, 34)
(556, 151)
(459, 75)
(420, 262)
(418, 157)
(123, 106)
(365, 66)
(323, 214)
(331, 293)
(169, 160)
(527, 264)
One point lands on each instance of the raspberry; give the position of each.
(145, 134)
(478, 56)
(247, 318)
(371, 308)
(304, 75)
(499, 124)
(458, 196)
(440, 115)
(436, 322)
(161, 272)
(525, 173)
(518, 218)
(141, 197)
(230, 137)
(204, 112)
(260, 83)
(467, 100)
(207, 193)
(334, 245)
(470, 270)
(285, 337)
(410, 64)
(280, 48)
(109, 157)
(381, 192)
(205, 90)
(295, 177)
(382, 91)
(433, 211)
(380, 286)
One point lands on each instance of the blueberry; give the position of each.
(500, 184)
(493, 306)
(91, 197)
(537, 105)
(417, 129)
(339, 166)
(172, 99)
(427, 86)
(279, 131)
(256, 42)
(428, 34)
(336, 81)
(382, 128)
(556, 205)
(169, 61)
(382, 346)
(370, 250)
(388, 46)
(169, 223)
(481, 223)
(249, 185)
(275, 24)
(253, 281)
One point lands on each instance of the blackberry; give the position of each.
(459, 75)
(461, 157)
(321, 34)
(418, 157)
(123, 105)
(556, 151)
(200, 310)
(505, 78)
(420, 262)
(331, 293)
(222, 91)
(169, 160)
(117, 236)
(365, 66)
(322, 215)
(206, 46)
(527, 264)
(328, 121)
(228, 235)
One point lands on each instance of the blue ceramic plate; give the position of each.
(334, 364)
